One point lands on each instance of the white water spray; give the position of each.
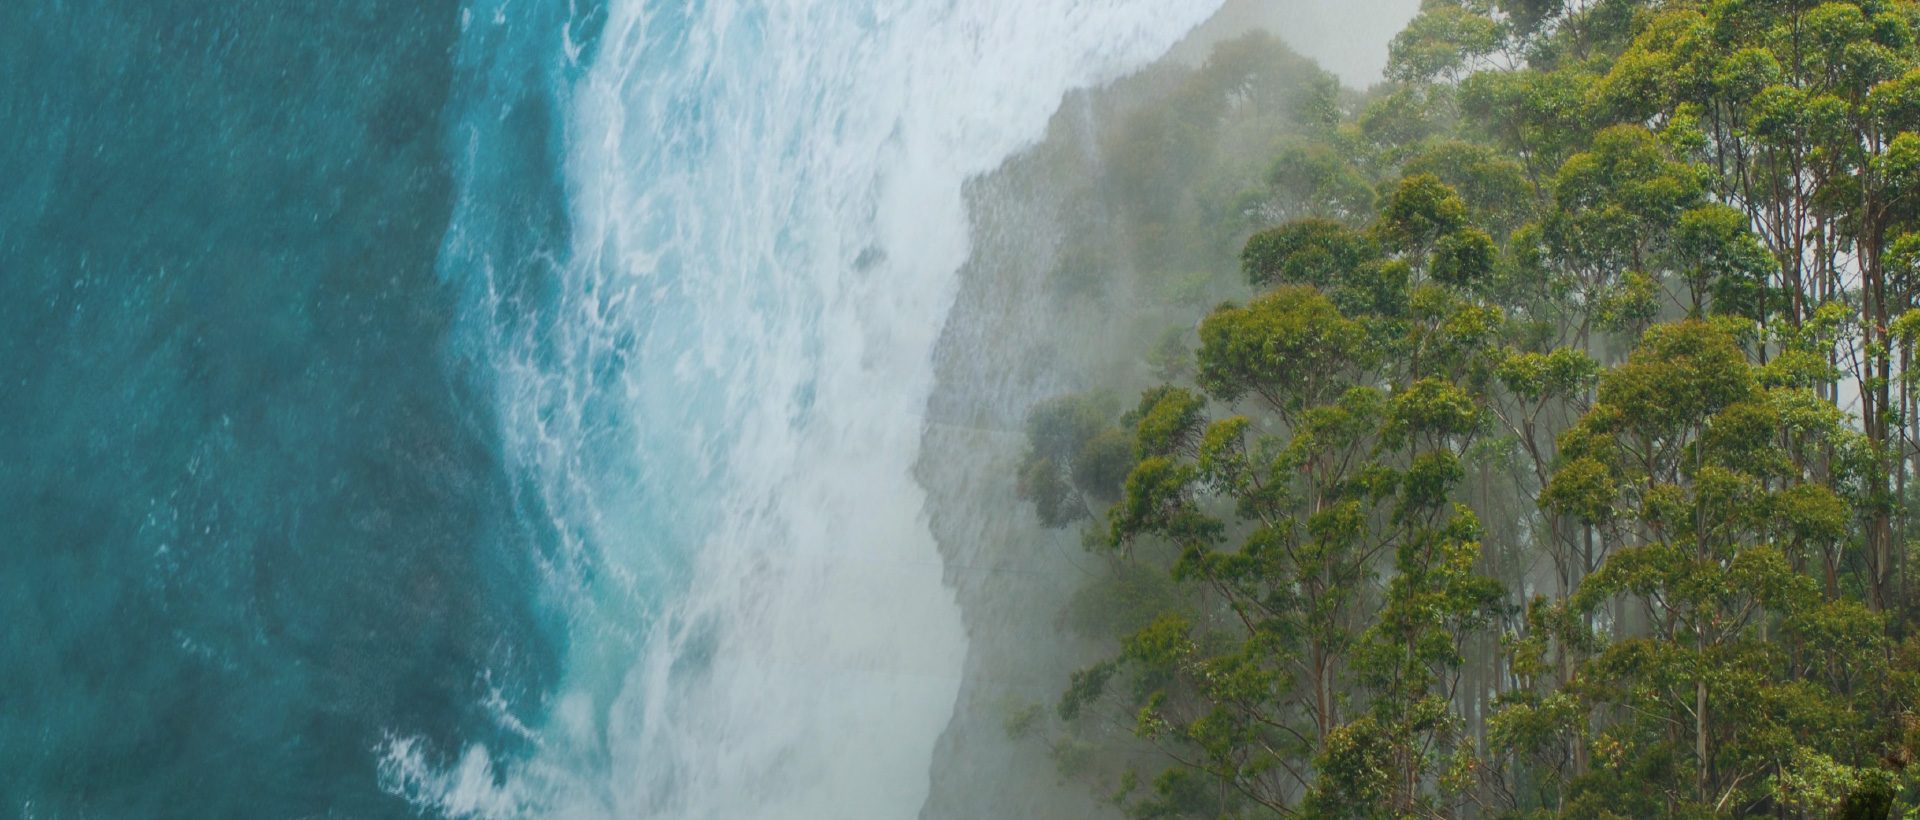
(768, 217)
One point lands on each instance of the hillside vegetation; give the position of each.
(1553, 454)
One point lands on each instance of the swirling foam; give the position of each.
(722, 404)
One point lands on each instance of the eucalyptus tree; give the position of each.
(1627, 290)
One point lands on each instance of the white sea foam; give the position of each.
(767, 217)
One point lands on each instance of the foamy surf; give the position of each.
(715, 389)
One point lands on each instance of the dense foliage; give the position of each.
(1560, 461)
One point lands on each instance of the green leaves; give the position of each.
(1820, 786)
(1418, 212)
(1618, 301)
(1434, 409)
(1583, 488)
(1464, 258)
(1287, 346)
(1088, 686)
(1102, 463)
(1075, 457)
(1315, 180)
(1616, 203)
(1353, 766)
(1670, 62)
(1898, 168)
(1167, 421)
(1895, 104)
(1561, 373)
(1058, 428)
(1716, 253)
(1494, 186)
(1158, 501)
(1682, 373)
(1842, 45)
(1440, 41)
(1745, 73)
(1318, 252)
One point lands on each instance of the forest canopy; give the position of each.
(1556, 455)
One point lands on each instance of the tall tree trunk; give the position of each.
(1875, 386)
(1700, 727)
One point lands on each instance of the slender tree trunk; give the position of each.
(1700, 726)
(1322, 701)
(1875, 384)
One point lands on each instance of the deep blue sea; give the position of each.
(493, 408)
(252, 513)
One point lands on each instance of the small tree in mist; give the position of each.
(1076, 459)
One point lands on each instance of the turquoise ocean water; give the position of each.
(490, 408)
(252, 510)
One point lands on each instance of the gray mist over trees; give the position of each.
(1094, 254)
(1530, 434)
(1346, 37)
